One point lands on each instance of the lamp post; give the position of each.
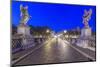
(47, 31)
(65, 31)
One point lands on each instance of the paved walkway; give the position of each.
(55, 51)
(87, 51)
(22, 52)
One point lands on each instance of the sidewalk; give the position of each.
(91, 48)
(22, 52)
(87, 51)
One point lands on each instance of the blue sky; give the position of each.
(56, 16)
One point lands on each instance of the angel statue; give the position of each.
(87, 17)
(24, 14)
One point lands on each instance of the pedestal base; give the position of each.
(27, 39)
(86, 32)
(23, 29)
(83, 40)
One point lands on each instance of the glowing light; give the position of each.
(65, 31)
(55, 36)
(47, 31)
(60, 35)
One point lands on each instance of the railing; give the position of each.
(16, 44)
(90, 41)
(20, 43)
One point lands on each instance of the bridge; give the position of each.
(51, 50)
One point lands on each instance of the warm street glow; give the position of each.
(47, 31)
(55, 36)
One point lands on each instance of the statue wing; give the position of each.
(21, 6)
(85, 13)
(90, 11)
(89, 14)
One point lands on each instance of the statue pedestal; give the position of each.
(83, 40)
(23, 29)
(86, 32)
(27, 39)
